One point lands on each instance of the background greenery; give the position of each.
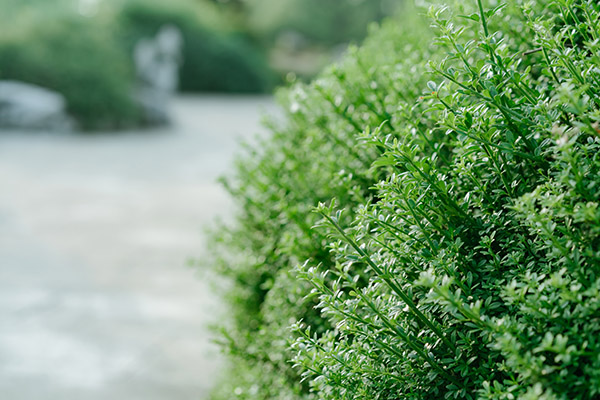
(82, 49)
(327, 22)
(303, 36)
(51, 45)
(87, 57)
(217, 55)
(460, 258)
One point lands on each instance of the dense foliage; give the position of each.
(461, 255)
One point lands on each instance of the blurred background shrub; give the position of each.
(217, 55)
(54, 46)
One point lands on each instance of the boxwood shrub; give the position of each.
(425, 223)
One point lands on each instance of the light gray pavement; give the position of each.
(96, 301)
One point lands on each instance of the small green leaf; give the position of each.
(468, 120)
(384, 161)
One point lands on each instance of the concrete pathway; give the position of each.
(96, 301)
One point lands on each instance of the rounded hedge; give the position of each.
(461, 255)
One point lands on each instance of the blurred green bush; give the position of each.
(460, 259)
(57, 48)
(217, 56)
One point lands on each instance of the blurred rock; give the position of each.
(27, 106)
(157, 63)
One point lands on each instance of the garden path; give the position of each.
(96, 301)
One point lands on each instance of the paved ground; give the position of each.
(96, 301)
